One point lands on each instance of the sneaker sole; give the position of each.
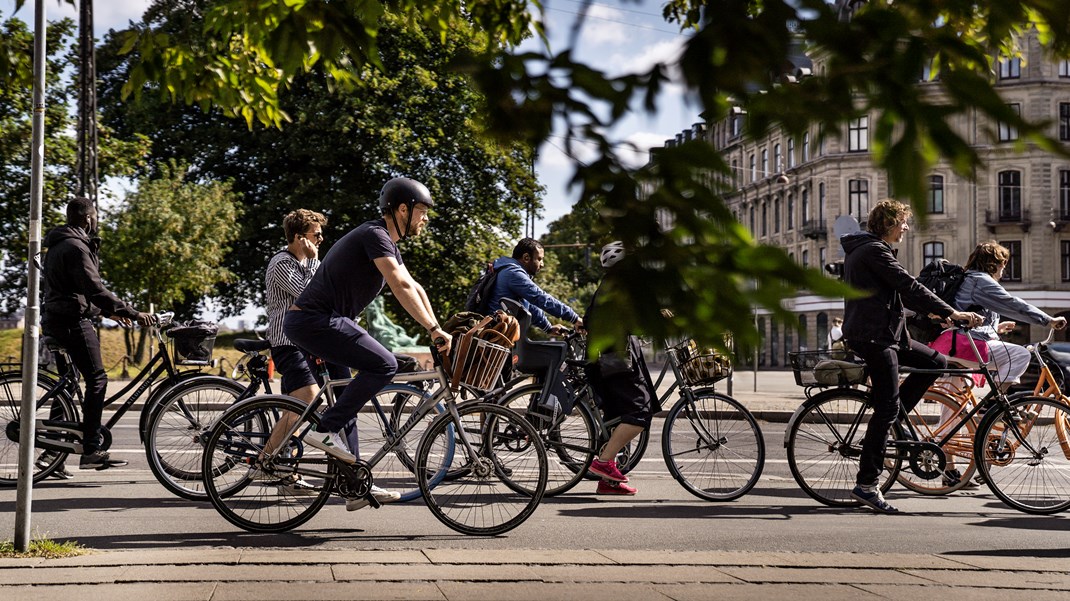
(871, 505)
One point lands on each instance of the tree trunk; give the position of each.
(128, 340)
(143, 336)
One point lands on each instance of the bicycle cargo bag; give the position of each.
(832, 372)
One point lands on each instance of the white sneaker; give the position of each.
(381, 494)
(331, 443)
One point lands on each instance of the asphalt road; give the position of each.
(127, 508)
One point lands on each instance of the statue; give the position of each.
(388, 333)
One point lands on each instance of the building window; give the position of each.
(858, 198)
(776, 215)
(777, 160)
(802, 333)
(1010, 195)
(821, 202)
(753, 169)
(1064, 121)
(822, 256)
(791, 212)
(822, 327)
(765, 218)
(765, 162)
(936, 194)
(1008, 132)
(858, 135)
(1064, 195)
(806, 147)
(1064, 68)
(932, 251)
(736, 125)
(1065, 246)
(805, 258)
(1013, 271)
(1010, 68)
(791, 152)
(804, 203)
(753, 232)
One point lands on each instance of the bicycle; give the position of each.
(823, 437)
(711, 443)
(496, 461)
(59, 397)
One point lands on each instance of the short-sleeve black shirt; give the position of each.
(347, 280)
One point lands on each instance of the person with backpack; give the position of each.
(619, 379)
(875, 329)
(981, 291)
(514, 280)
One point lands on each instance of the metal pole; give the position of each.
(31, 334)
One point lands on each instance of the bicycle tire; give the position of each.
(569, 441)
(932, 419)
(823, 445)
(1024, 454)
(505, 479)
(713, 446)
(177, 429)
(59, 406)
(255, 505)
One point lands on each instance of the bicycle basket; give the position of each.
(192, 343)
(478, 364)
(826, 368)
(700, 367)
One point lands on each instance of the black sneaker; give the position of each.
(872, 499)
(99, 460)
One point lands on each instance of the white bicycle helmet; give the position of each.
(612, 253)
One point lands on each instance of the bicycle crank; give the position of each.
(927, 460)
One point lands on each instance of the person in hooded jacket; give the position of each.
(515, 282)
(74, 297)
(875, 329)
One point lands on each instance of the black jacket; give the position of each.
(871, 265)
(72, 285)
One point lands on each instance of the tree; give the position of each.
(166, 242)
(706, 266)
(413, 116)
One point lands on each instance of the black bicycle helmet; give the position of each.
(403, 191)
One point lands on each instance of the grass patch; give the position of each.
(43, 547)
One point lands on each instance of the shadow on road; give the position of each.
(299, 539)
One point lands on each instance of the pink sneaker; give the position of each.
(607, 470)
(614, 488)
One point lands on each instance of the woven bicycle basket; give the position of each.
(478, 362)
(700, 366)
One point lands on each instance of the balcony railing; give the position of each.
(995, 219)
(813, 229)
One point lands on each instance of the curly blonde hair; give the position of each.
(885, 214)
(988, 257)
(299, 222)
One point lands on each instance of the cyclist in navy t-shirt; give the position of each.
(322, 321)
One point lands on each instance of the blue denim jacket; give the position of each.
(983, 290)
(515, 283)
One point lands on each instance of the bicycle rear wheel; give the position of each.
(1024, 454)
(933, 418)
(176, 433)
(713, 446)
(824, 442)
(284, 495)
(569, 440)
(57, 406)
(504, 470)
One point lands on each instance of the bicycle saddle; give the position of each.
(247, 345)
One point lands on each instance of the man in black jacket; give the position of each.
(74, 296)
(875, 329)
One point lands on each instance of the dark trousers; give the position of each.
(80, 341)
(888, 394)
(337, 339)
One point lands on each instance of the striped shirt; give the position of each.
(284, 280)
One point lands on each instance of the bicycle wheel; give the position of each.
(176, 433)
(569, 440)
(267, 500)
(713, 446)
(55, 406)
(933, 418)
(824, 443)
(1024, 458)
(505, 475)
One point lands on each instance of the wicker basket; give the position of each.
(700, 367)
(480, 365)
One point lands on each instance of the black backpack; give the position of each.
(944, 279)
(482, 291)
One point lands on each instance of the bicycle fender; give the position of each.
(791, 420)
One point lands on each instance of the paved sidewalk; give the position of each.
(220, 574)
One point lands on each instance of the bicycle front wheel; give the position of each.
(286, 492)
(1024, 454)
(500, 463)
(713, 446)
(51, 405)
(177, 430)
(933, 418)
(824, 443)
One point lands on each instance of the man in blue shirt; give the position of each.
(515, 282)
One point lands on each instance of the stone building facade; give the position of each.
(800, 193)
